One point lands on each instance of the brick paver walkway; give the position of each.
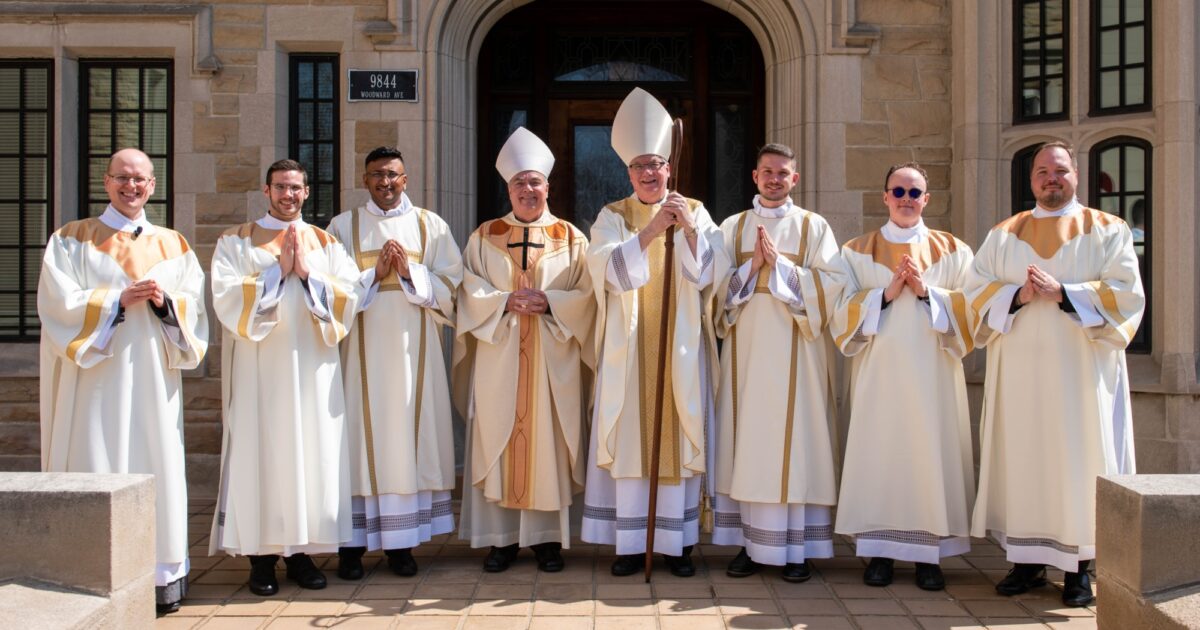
(452, 592)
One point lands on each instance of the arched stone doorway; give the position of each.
(561, 69)
(787, 38)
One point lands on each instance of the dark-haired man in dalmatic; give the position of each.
(397, 397)
(284, 292)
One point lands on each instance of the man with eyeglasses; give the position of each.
(121, 303)
(626, 261)
(908, 478)
(1058, 297)
(285, 293)
(775, 475)
(397, 397)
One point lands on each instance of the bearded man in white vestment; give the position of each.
(121, 303)
(626, 261)
(397, 396)
(908, 478)
(285, 293)
(775, 474)
(1059, 297)
(524, 333)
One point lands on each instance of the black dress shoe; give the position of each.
(549, 557)
(166, 609)
(929, 577)
(302, 571)
(499, 558)
(1077, 587)
(350, 566)
(1022, 578)
(797, 572)
(262, 575)
(742, 566)
(401, 562)
(629, 564)
(681, 566)
(879, 572)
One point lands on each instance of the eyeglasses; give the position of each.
(913, 193)
(390, 176)
(651, 167)
(125, 179)
(285, 188)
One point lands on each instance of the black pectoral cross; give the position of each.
(525, 245)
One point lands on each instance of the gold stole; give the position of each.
(366, 260)
(649, 334)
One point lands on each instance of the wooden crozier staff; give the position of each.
(664, 346)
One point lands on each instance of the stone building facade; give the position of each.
(966, 88)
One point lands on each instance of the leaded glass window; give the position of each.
(126, 103)
(1040, 51)
(1120, 56)
(1120, 185)
(313, 131)
(26, 138)
(623, 58)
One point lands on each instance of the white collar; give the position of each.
(121, 223)
(268, 222)
(772, 213)
(896, 234)
(1072, 207)
(405, 205)
(545, 220)
(653, 203)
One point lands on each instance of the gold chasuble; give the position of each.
(1056, 411)
(627, 340)
(520, 378)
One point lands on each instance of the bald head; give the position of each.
(129, 181)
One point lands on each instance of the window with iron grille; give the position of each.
(1120, 184)
(26, 141)
(313, 131)
(1120, 70)
(1040, 60)
(125, 103)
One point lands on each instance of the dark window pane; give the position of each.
(156, 213)
(325, 163)
(127, 88)
(10, 88)
(10, 275)
(1110, 49)
(730, 129)
(1135, 86)
(35, 223)
(1054, 17)
(100, 88)
(1135, 10)
(1110, 88)
(622, 58)
(162, 183)
(1135, 45)
(36, 132)
(154, 133)
(1110, 170)
(100, 133)
(324, 121)
(10, 132)
(35, 178)
(305, 79)
(128, 130)
(10, 217)
(1135, 169)
(9, 177)
(37, 88)
(325, 81)
(1110, 12)
(155, 88)
(1054, 56)
(1054, 96)
(305, 121)
(1031, 20)
(599, 175)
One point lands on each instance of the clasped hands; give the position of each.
(674, 211)
(1039, 285)
(765, 252)
(906, 275)
(142, 291)
(527, 302)
(290, 257)
(392, 258)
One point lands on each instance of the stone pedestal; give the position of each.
(79, 545)
(1148, 551)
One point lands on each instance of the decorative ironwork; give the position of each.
(600, 176)
(622, 58)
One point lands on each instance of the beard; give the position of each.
(1052, 198)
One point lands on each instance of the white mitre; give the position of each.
(524, 151)
(642, 127)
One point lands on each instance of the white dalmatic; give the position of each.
(110, 378)
(908, 479)
(1056, 408)
(285, 482)
(775, 476)
(397, 396)
(628, 283)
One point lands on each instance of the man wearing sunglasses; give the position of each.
(908, 478)
(397, 396)
(121, 303)
(775, 471)
(1058, 296)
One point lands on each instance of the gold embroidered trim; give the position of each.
(91, 319)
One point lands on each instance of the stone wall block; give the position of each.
(903, 11)
(202, 393)
(20, 412)
(890, 78)
(1156, 456)
(225, 104)
(915, 41)
(239, 58)
(934, 155)
(939, 178)
(20, 438)
(874, 111)
(868, 134)
(209, 234)
(235, 14)
(938, 206)
(19, 390)
(223, 209)
(245, 36)
(934, 75)
(202, 437)
(237, 179)
(1148, 530)
(865, 167)
(1182, 414)
(235, 79)
(1149, 415)
(214, 134)
(370, 13)
(369, 134)
(920, 122)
